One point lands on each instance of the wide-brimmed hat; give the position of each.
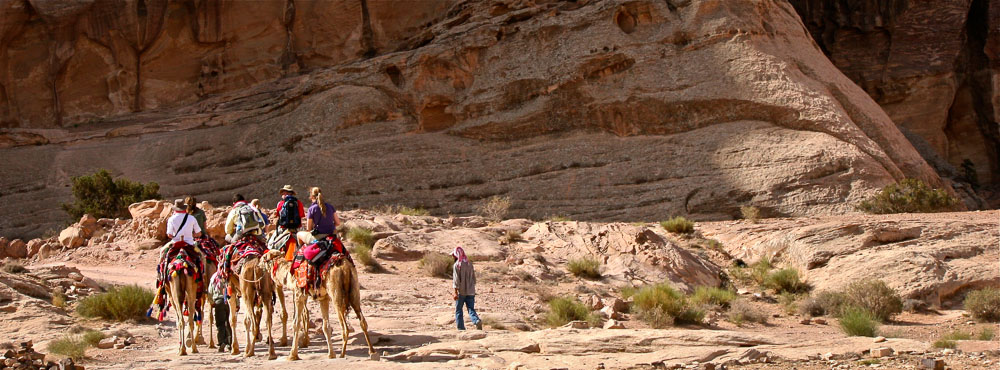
(179, 205)
(287, 188)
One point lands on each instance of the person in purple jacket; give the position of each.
(321, 219)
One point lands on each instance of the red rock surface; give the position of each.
(932, 65)
(601, 110)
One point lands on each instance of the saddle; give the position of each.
(178, 258)
(312, 261)
(236, 254)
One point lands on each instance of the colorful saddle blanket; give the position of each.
(178, 258)
(236, 254)
(312, 261)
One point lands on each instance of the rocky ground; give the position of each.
(411, 315)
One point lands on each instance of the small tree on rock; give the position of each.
(102, 196)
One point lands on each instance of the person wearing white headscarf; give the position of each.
(464, 282)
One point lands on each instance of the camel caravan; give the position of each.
(253, 270)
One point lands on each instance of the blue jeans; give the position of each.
(470, 302)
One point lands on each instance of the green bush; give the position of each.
(586, 267)
(984, 304)
(562, 310)
(419, 211)
(678, 225)
(789, 302)
(92, 337)
(858, 322)
(875, 297)
(361, 237)
(119, 303)
(944, 343)
(760, 269)
(363, 254)
(824, 303)
(986, 334)
(437, 264)
(750, 213)
(101, 196)
(785, 280)
(661, 306)
(718, 297)
(909, 196)
(741, 311)
(68, 346)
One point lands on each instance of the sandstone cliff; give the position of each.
(934, 66)
(602, 110)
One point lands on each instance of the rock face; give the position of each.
(926, 257)
(599, 110)
(933, 66)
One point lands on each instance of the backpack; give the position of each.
(247, 219)
(289, 216)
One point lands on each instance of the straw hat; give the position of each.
(179, 205)
(287, 188)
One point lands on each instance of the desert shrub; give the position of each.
(986, 334)
(437, 265)
(718, 297)
(363, 254)
(118, 303)
(785, 280)
(712, 244)
(495, 208)
(562, 310)
(628, 291)
(661, 306)
(419, 211)
(494, 323)
(59, 299)
(908, 196)
(984, 304)
(948, 340)
(875, 297)
(869, 362)
(858, 322)
(92, 337)
(586, 267)
(101, 196)
(361, 236)
(760, 269)
(789, 302)
(741, 311)
(14, 268)
(750, 213)
(69, 346)
(944, 343)
(824, 303)
(678, 225)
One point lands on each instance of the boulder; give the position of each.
(88, 224)
(17, 248)
(149, 209)
(613, 324)
(34, 245)
(72, 237)
(106, 343)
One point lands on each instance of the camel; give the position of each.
(252, 283)
(182, 292)
(283, 278)
(340, 284)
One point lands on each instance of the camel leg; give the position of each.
(269, 311)
(191, 297)
(249, 319)
(342, 316)
(234, 309)
(211, 323)
(297, 327)
(324, 307)
(280, 292)
(356, 304)
(176, 291)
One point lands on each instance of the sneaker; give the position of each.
(479, 324)
(222, 349)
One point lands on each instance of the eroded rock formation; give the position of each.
(933, 66)
(600, 110)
